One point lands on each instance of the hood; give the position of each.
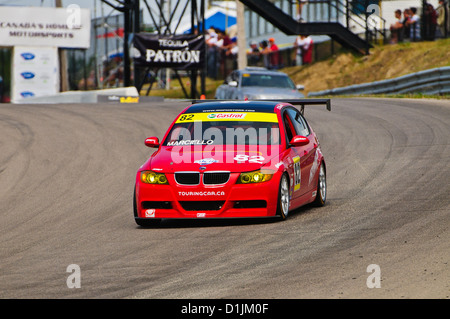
(256, 92)
(170, 159)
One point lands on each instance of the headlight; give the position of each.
(150, 177)
(258, 176)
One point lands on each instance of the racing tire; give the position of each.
(283, 198)
(321, 195)
(141, 221)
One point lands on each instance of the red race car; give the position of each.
(232, 159)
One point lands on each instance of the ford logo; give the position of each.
(27, 75)
(202, 168)
(26, 94)
(27, 56)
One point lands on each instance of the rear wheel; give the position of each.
(283, 197)
(321, 187)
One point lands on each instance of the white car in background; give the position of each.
(256, 83)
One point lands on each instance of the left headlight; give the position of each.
(150, 177)
(258, 176)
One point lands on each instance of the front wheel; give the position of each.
(321, 187)
(283, 197)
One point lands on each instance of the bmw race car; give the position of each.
(232, 159)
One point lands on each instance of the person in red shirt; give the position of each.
(305, 43)
(275, 58)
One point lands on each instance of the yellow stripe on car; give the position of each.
(228, 116)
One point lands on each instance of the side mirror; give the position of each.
(300, 87)
(299, 140)
(233, 84)
(152, 142)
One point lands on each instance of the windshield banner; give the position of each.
(169, 51)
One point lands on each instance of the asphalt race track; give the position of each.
(66, 183)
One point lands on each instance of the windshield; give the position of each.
(267, 80)
(223, 133)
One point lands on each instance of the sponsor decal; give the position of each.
(150, 213)
(129, 99)
(314, 167)
(27, 75)
(206, 161)
(202, 193)
(190, 142)
(228, 116)
(297, 173)
(201, 214)
(27, 56)
(26, 94)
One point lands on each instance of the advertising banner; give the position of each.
(35, 72)
(169, 51)
(42, 26)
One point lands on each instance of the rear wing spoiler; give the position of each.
(300, 102)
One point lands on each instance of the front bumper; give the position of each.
(229, 200)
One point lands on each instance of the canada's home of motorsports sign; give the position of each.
(43, 26)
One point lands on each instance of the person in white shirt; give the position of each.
(414, 23)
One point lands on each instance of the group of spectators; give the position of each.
(436, 23)
(266, 52)
(220, 47)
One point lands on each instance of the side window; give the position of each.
(298, 122)
(288, 126)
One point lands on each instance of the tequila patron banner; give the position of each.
(169, 51)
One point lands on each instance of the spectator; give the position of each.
(275, 57)
(397, 28)
(298, 51)
(430, 22)
(305, 44)
(254, 54)
(406, 26)
(300, 6)
(213, 55)
(443, 19)
(232, 52)
(265, 52)
(414, 23)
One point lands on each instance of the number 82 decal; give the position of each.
(250, 159)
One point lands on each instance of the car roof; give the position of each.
(238, 106)
(260, 70)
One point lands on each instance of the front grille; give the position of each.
(250, 204)
(187, 178)
(202, 205)
(156, 204)
(215, 178)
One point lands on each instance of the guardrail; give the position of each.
(429, 82)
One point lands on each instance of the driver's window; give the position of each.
(298, 123)
(288, 127)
